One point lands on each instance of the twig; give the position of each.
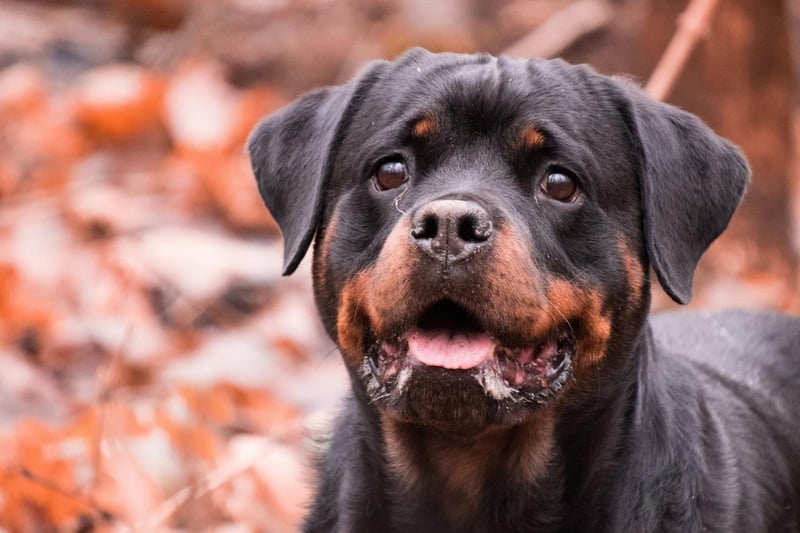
(105, 385)
(46, 484)
(210, 482)
(564, 28)
(692, 24)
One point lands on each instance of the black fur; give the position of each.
(684, 422)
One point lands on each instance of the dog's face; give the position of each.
(484, 227)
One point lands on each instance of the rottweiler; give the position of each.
(484, 233)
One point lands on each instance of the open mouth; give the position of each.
(448, 336)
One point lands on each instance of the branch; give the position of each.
(692, 24)
(563, 29)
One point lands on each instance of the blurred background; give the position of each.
(156, 372)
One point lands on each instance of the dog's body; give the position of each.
(484, 233)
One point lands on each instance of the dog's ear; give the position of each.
(691, 182)
(291, 153)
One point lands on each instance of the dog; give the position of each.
(484, 234)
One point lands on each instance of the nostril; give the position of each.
(426, 228)
(474, 229)
(450, 230)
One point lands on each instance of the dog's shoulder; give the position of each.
(717, 397)
(744, 371)
(752, 357)
(742, 345)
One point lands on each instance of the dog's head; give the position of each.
(485, 226)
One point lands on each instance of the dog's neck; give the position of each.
(456, 468)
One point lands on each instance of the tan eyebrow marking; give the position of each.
(530, 138)
(424, 127)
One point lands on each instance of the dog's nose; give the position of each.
(451, 230)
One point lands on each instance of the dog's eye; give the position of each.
(390, 175)
(560, 186)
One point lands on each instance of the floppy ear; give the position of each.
(291, 153)
(691, 182)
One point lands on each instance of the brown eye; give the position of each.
(560, 186)
(390, 175)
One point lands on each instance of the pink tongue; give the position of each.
(445, 349)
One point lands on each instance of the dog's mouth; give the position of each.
(448, 337)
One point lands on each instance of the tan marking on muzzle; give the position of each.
(634, 271)
(571, 302)
(368, 296)
(351, 321)
(320, 263)
(511, 291)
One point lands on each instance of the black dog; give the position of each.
(485, 229)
